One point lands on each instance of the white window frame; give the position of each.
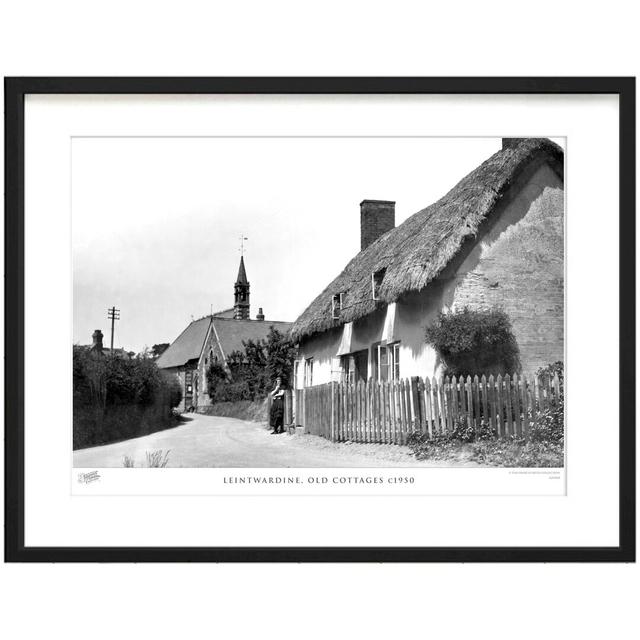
(393, 358)
(308, 372)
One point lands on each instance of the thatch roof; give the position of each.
(416, 251)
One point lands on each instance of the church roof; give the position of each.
(225, 313)
(187, 346)
(242, 274)
(230, 334)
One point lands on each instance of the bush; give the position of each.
(518, 453)
(550, 370)
(475, 342)
(464, 444)
(115, 399)
(441, 445)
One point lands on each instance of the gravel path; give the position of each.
(209, 441)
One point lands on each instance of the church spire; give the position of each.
(242, 274)
(241, 305)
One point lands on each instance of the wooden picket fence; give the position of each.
(388, 412)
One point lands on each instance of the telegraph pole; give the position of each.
(113, 314)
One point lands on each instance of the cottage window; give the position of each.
(336, 305)
(354, 366)
(347, 369)
(376, 282)
(386, 361)
(308, 372)
(394, 360)
(380, 362)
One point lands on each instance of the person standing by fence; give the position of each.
(276, 415)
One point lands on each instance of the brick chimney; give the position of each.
(97, 340)
(376, 217)
(260, 315)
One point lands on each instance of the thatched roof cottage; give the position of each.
(495, 240)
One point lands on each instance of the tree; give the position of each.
(251, 373)
(281, 353)
(216, 376)
(158, 349)
(145, 354)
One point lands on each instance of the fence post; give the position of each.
(333, 411)
(556, 386)
(469, 392)
(415, 404)
(516, 405)
(525, 407)
(485, 400)
(506, 400)
(454, 399)
(427, 404)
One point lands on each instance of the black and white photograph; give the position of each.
(372, 319)
(327, 301)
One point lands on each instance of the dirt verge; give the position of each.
(253, 410)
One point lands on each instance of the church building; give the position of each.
(211, 339)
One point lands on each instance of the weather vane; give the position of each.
(242, 239)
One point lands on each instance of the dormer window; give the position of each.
(376, 282)
(336, 305)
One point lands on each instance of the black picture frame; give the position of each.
(15, 91)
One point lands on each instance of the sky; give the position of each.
(156, 222)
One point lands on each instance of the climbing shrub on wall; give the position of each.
(251, 373)
(473, 342)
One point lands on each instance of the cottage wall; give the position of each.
(521, 270)
(322, 347)
(516, 262)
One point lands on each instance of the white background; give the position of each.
(373, 38)
(586, 516)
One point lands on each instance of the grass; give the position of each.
(154, 459)
(493, 452)
(518, 453)
(544, 446)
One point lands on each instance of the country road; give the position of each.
(207, 441)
